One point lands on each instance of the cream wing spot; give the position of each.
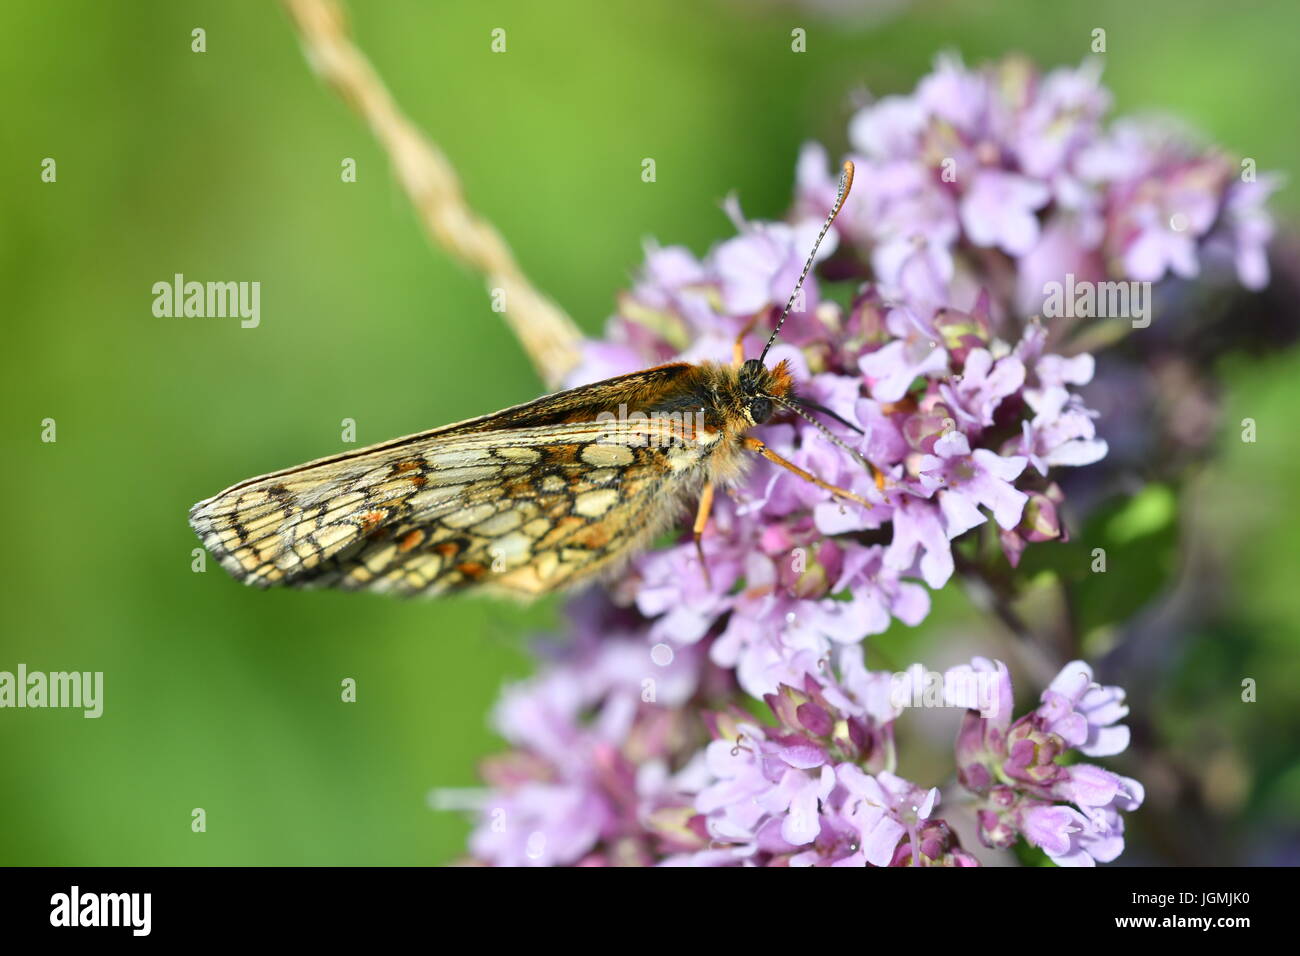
(333, 535)
(593, 504)
(601, 455)
(469, 516)
(537, 527)
(397, 488)
(461, 476)
(513, 547)
(546, 563)
(381, 558)
(338, 507)
(454, 458)
(264, 520)
(435, 498)
(499, 524)
(518, 453)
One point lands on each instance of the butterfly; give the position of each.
(525, 501)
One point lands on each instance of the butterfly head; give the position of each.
(762, 389)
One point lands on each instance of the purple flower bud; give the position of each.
(815, 719)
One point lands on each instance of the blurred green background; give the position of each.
(225, 166)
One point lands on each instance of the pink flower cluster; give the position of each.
(1071, 812)
(1007, 170)
(611, 765)
(963, 425)
(919, 331)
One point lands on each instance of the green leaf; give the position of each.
(1148, 512)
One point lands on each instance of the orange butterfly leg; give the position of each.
(754, 445)
(701, 522)
(738, 350)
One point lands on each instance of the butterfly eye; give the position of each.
(760, 410)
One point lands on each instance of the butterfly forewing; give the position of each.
(525, 508)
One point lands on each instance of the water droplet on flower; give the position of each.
(661, 654)
(536, 845)
(790, 618)
(1178, 222)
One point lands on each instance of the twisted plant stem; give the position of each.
(547, 334)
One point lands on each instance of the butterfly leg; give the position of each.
(701, 522)
(754, 445)
(738, 350)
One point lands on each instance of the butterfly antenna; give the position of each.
(846, 183)
(802, 413)
(818, 407)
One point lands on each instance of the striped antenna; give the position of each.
(846, 183)
(793, 407)
(877, 475)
